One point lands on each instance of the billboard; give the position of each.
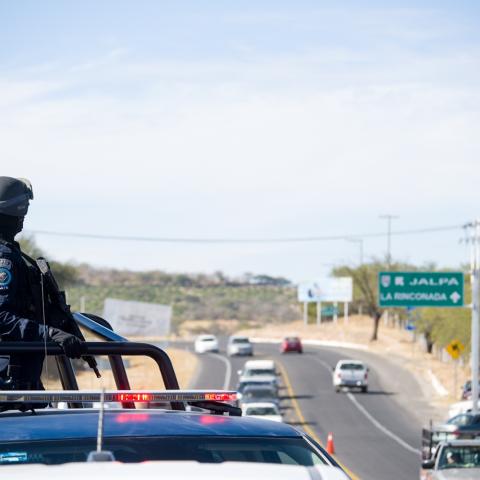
(327, 289)
(129, 318)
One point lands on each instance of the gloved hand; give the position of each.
(71, 345)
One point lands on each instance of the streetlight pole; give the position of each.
(389, 219)
(474, 240)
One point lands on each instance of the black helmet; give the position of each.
(15, 196)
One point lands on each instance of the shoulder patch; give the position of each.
(4, 248)
(5, 263)
(5, 277)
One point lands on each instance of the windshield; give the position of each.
(259, 393)
(293, 451)
(460, 457)
(243, 385)
(352, 366)
(259, 371)
(261, 411)
(240, 340)
(461, 420)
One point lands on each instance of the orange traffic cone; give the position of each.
(330, 444)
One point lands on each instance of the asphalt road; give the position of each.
(376, 435)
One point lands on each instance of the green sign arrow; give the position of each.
(420, 289)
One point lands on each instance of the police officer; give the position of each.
(20, 319)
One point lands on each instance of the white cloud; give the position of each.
(210, 149)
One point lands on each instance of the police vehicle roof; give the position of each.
(51, 424)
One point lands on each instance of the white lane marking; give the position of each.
(372, 419)
(383, 429)
(228, 370)
(326, 365)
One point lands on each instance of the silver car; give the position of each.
(239, 345)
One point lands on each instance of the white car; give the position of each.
(258, 367)
(350, 374)
(265, 410)
(263, 370)
(206, 343)
(455, 409)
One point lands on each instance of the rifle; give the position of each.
(66, 323)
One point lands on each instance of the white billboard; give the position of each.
(327, 289)
(129, 318)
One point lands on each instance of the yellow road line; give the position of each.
(300, 416)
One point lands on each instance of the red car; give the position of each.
(291, 344)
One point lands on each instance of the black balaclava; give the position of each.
(10, 226)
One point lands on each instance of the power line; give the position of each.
(324, 238)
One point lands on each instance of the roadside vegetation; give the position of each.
(252, 299)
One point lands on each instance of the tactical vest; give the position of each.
(27, 299)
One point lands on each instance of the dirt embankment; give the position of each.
(143, 373)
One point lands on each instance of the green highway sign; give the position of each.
(420, 289)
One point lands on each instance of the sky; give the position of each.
(252, 119)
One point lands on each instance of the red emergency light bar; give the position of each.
(147, 396)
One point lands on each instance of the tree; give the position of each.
(365, 289)
(442, 325)
(365, 286)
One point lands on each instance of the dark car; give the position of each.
(257, 382)
(291, 344)
(259, 393)
(463, 426)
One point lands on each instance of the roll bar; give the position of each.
(110, 348)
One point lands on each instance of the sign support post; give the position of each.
(475, 280)
(455, 349)
(319, 313)
(335, 312)
(305, 313)
(455, 377)
(475, 337)
(345, 312)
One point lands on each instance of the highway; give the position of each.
(376, 437)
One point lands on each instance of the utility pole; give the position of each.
(473, 238)
(389, 219)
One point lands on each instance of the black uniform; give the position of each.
(23, 305)
(19, 320)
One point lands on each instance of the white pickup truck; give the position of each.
(350, 374)
(459, 459)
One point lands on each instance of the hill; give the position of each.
(259, 298)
